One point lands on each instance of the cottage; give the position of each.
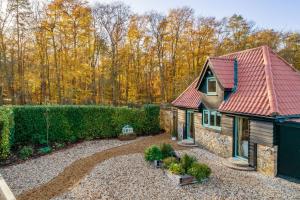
(245, 106)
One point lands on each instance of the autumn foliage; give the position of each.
(68, 52)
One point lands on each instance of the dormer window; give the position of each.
(211, 86)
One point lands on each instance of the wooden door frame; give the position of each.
(235, 137)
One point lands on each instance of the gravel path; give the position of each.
(79, 169)
(37, 171)
(130, 177)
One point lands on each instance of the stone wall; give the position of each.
(166, 120)
(211, 140)
(267, 160)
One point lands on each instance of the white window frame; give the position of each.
(211, 79)
(209, 113)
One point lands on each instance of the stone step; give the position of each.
(237, 164)
(187, 143)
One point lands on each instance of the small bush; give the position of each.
(45, 150)
(199, 171)
(187, 161)
(176, 168)
(168, 161)
(25, 152)
(59, 145)
(153, 153)
(167, 150)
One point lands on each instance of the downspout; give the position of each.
(235, 75)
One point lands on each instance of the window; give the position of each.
(205, 117)
(212, 119)
(211, 86)
(218, 120)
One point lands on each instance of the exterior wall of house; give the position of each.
(213, 140)
(267, 160)
(262, 152)
(265, 154)
(166, 120)
(211, 101)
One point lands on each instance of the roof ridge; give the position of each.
(270, 82)
(185, 89)
(243, 51)
(220, 58)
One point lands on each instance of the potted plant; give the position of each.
(153, 155)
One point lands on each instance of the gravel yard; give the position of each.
(37, 171)
(129, 177)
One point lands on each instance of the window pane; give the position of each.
(212, 86)
(212, 119)
(218, 121)
(205, 117)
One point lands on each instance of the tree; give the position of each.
(178, 20)
(158, 29)
(113, 19)
(21, 12)
(291, 49)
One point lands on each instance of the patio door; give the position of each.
(241, 139)
(189, 124)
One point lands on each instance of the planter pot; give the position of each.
(181, 179)
(157, 163)
(125, 137)
(174, 138)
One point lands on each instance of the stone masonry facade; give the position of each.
(211, 140)
(267, 160)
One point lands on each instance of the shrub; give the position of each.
(187, 161)
(6, 125)
(25, 152)
(199, 171)
(153, 153)
(176, 168)
(168, 161)
(167, 150)
(46, 125)
(45, 150)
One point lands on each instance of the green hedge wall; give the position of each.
(6, 125)
(39, 125)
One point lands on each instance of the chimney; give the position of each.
(235, 74)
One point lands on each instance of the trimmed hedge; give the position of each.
(6, 124)
(46, 125)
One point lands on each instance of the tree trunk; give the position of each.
(56, 69)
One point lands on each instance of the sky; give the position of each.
(281, 15)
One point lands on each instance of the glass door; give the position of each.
(241, 137)
(189, 124)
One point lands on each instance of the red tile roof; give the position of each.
(267, 84)
(223, 70)
(190, 98)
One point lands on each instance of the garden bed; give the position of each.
(183, 170)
